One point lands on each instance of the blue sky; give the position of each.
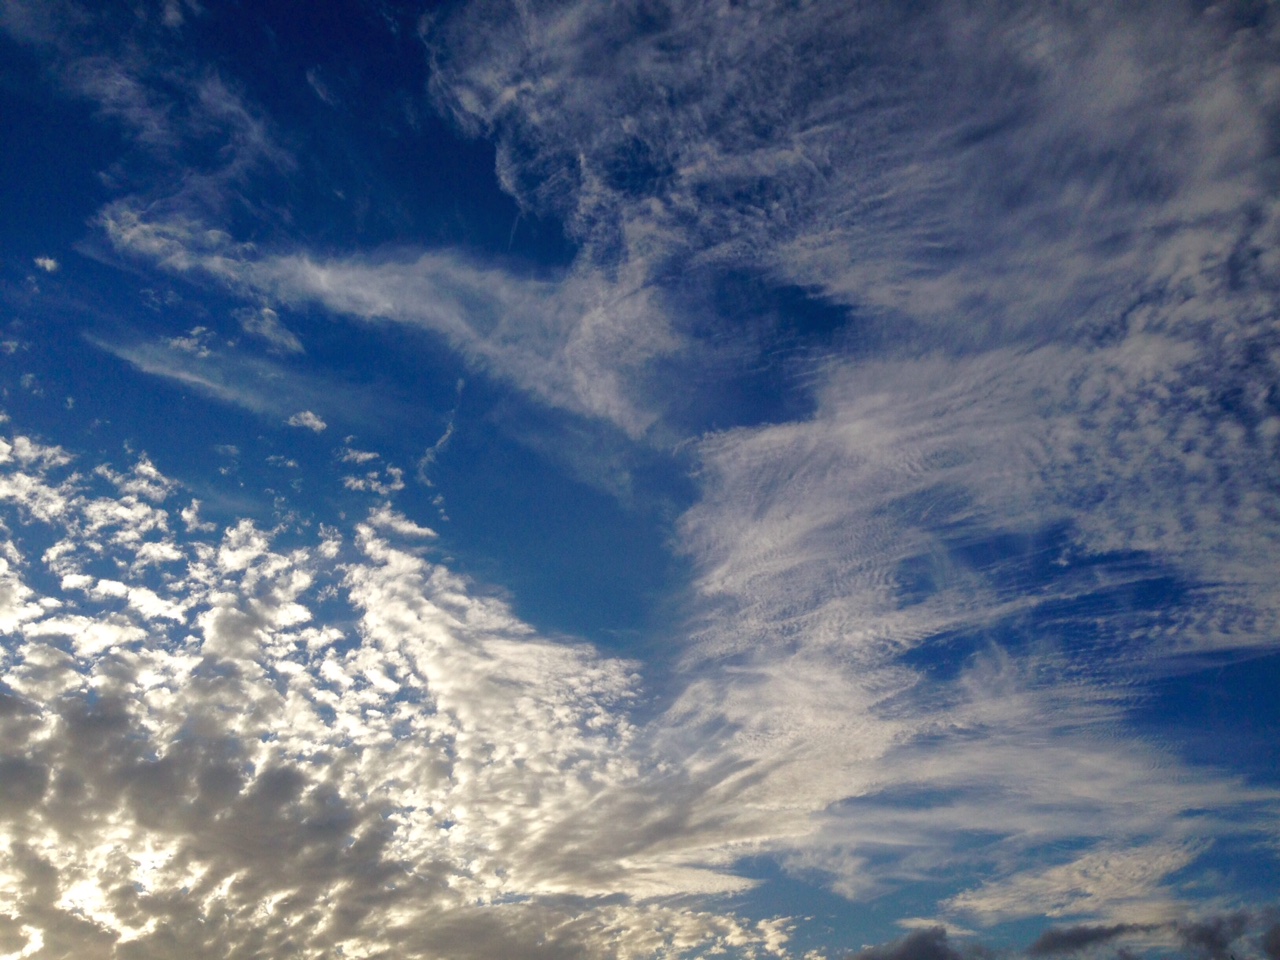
(635, 480)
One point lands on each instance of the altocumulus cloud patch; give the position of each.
(194, 762)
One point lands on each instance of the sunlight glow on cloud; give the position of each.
(483, 765)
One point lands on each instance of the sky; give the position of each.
(647, 479)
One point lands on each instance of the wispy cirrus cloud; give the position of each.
(1045, 324)
(263, 386)
(265, 324)
(987, 171)
(574, 342)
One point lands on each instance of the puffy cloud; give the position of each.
(398, 523)
(47, 264)
(196, 763)
(307, 420)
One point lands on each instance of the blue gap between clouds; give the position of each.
(412, 180)
(49, 184)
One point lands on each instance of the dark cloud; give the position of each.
(1270, 941)
(1069, 939)
(930, 944)
(1213, 937)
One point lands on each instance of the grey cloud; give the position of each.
(1270, 941)
(1212, 937)
(1058, 940)
(929, 944)
(22, 785)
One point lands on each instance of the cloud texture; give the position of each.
(1030, 466)
(193, 762)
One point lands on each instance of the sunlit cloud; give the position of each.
(307, 421)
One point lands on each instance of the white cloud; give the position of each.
(581, 341)
(307, 420)
(195, 342)
(265, 387)
(47, 264)
(386, 518)
(990, 172)
(191, 517)
(382, 482)
(1123, 885)
(260, 780)
(907, 518)
(90, 637)
(350, 455)
(265, 323)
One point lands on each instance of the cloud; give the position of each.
(916, 614)
(930, 944)
(1213, 932)
(265, 323)
(262, 386)
(1058, 940)
(988, 169)
(398, 523)
(425, 770)
(47, 264)
(307, 420)
(1213, 936)
(865, 578)
(456, 755)
(1270, 941)
(428, 459)
(581, 342)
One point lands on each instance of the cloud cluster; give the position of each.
(194, 762)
